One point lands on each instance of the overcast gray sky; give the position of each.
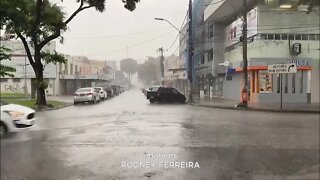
(107, 35)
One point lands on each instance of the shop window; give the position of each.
(312, 37)
(284, 37)
(277, 37)
(298, 36)
(293, 83)
(286, 82)
(301, 82)
(265, 82)
(305, 37)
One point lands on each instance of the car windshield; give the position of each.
(160, 89)
(84, 90)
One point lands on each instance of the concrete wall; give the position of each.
(233, 87)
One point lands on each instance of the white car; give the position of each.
(102, 93)
(15, 118)
(86, 95)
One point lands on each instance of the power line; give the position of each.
(116, 35)
(135, 45)
(179, 31)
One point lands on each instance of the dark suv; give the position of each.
(165, 94)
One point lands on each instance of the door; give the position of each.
(174, 95)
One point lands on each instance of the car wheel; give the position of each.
(152, 100)
(3, 130)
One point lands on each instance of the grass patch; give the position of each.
(31, 103)
(11, 96)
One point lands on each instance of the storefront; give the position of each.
(264, 87)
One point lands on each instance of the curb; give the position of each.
(257, 109)
(55, 108)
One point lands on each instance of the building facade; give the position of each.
(275, 36)
(62, 78)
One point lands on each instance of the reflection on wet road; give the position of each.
(92, 142)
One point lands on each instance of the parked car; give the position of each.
(83, 95)
(115, 90)
(109, 91)
(15, 118)
(165, 94)
(102, 93)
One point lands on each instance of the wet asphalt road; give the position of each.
(98, 142)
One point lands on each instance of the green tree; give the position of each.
(41, 21)
(129, 66)
(5, 54)
(149, 71)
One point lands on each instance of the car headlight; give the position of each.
(15, 114)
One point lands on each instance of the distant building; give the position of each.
(63, 79)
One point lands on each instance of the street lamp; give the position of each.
(162, 19)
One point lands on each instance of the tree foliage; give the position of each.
(41, 21)
(129, 66)
(149, 71)
(5, 54)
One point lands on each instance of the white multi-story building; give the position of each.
(274, 29)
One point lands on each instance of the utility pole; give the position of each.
(245, 60)
(161, 64)
(190, 54)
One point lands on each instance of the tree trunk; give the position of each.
(41, 97)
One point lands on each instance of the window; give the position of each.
(16, 80)
(202, 59)
(301, 82)
(286, 83)
(284, 37)
(210, 31)
(293, 83)
(265, 82)
(210, 55)
(3, 79)
(66, 68)
(71, 68)
(263, 36)
(305, 37)
(317, 37)
(277, 37)
(174, 91)
(60, 67)
(312, 37)
(270, 36)
(291, 37)
(298, 36)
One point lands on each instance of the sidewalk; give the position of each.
(66, 99)
(274, 107)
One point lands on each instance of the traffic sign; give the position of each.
(282, 68)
